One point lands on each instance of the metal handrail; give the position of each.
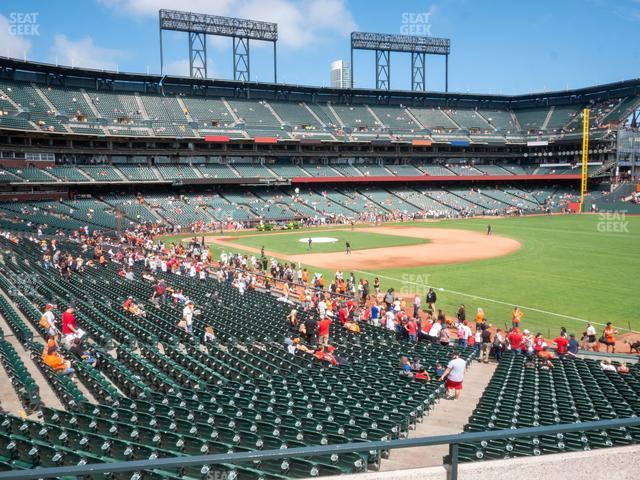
(453, 440)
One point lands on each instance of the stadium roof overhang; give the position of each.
(11, 68)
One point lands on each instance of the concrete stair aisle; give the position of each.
(47, 395)
(516, 122)
(489, 125)
(231, 111)
(273, 112)
(310, 110)
(446, 418)
(50, 105)
(377, 119)
(141, 107)
(9, 401)
(120, 174)
(335, 115)
(547, 118)
(184, 108)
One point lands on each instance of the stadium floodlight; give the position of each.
(199, 25)
(385, 43)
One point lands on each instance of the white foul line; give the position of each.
(488, 299)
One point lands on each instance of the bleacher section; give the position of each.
(574, 390)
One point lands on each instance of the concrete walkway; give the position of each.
(447, 417)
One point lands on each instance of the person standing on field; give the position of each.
(516, 316)
(431, 300)
(417, 301)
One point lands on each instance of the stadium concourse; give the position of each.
(120, 347)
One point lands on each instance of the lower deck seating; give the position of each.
(245, 392)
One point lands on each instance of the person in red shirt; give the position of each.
(324, 356)
(323, 331)
(423, 375)
(412, 330)
(538, 343)
(561, 345)
(344, 315)
(127, 303)
(515, 340)
(69, 321)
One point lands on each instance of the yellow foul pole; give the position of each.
(585, 154)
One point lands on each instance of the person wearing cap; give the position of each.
(573, 347)
(48, 320)
(562, 343)
(187, 316)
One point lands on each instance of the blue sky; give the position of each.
(497, 46)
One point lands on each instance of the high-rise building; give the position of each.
(340, 74)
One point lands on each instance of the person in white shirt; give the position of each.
(454, 375)
(434, 333)
(590, 337)
(464, 332)
(607, 366)
(48, 320)
(322, 307)
(209, 335)
(390, 320)
(187, 315)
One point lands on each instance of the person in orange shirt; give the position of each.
(479, 318)
(52, 342)
(305, 276)
(516, 316)
(546, 354)
(54, 360)
(609, 337)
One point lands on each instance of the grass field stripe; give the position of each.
(469, 295)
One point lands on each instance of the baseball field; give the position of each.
(561, 270)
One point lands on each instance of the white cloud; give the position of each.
(178, 67)
(17, 46)
(300, 23)
(84, 53)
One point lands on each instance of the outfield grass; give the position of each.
(568, 266)
(290, 244)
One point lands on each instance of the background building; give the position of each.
(340, 74)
